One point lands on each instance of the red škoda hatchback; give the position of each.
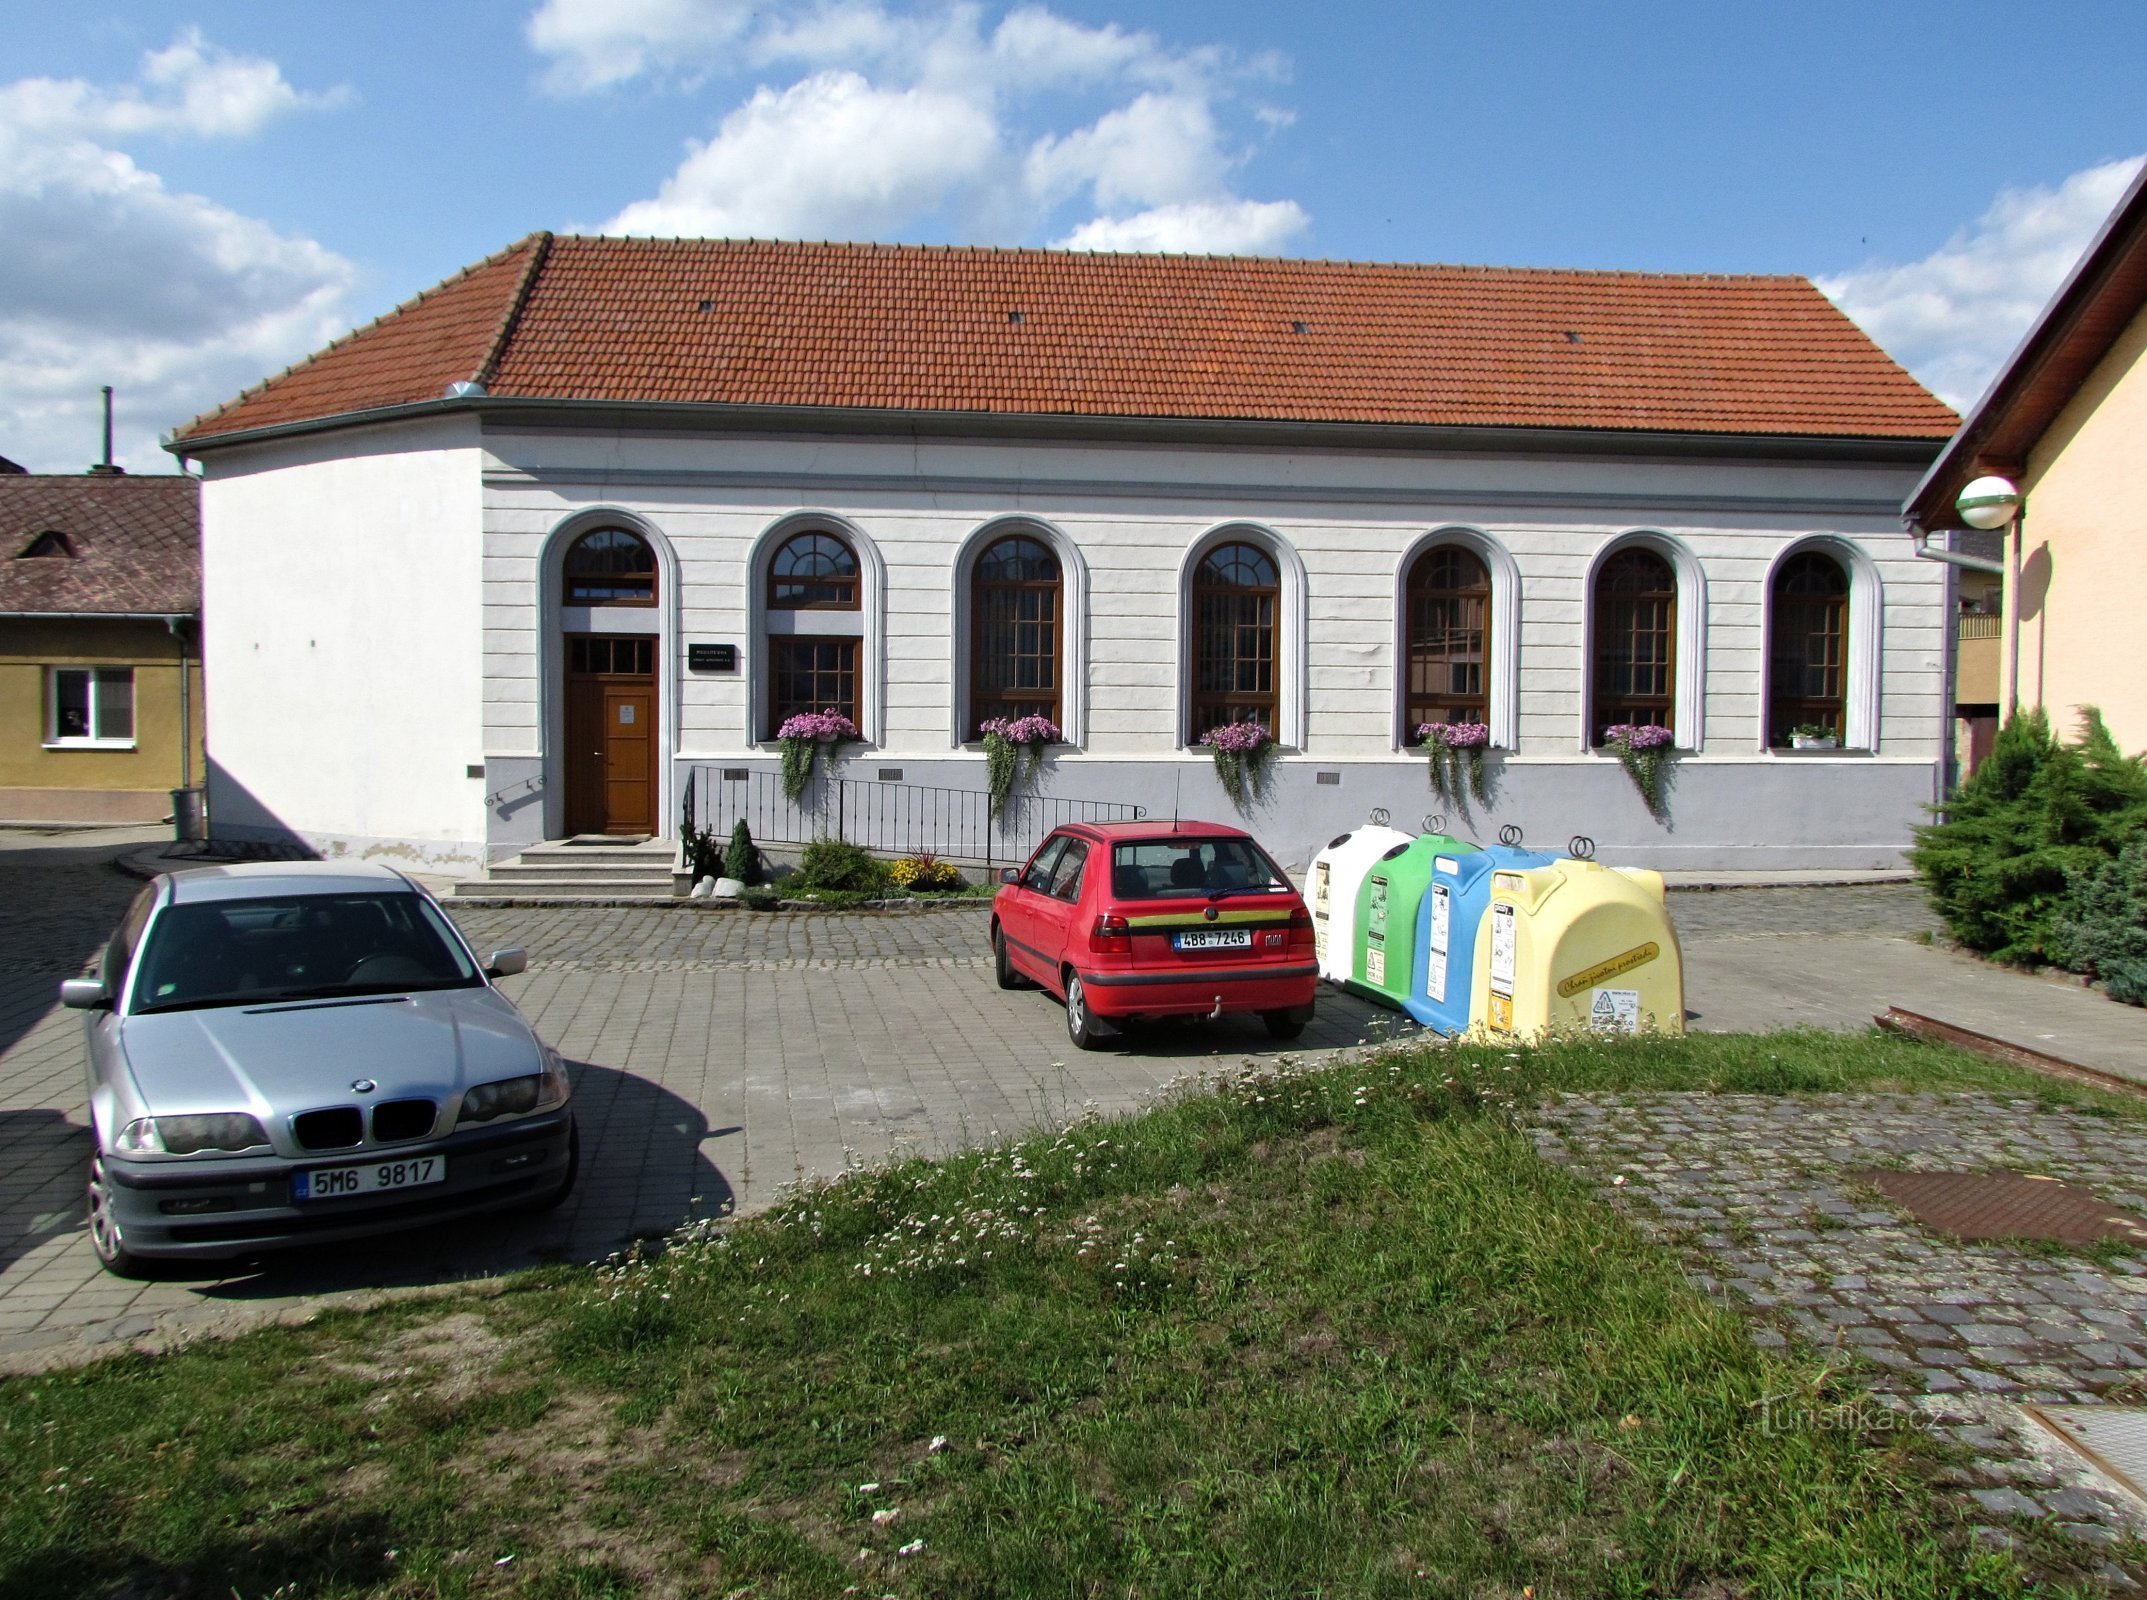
(1128, 920)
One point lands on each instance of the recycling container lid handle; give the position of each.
(1510, 834)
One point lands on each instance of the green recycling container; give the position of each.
(1389, 901)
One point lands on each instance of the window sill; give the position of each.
(89, 744)
(1789, 753)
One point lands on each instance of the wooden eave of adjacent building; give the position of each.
(2087, 315)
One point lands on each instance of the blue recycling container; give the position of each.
(1454, 904)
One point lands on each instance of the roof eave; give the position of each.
(2121, 239)
(1508, 438)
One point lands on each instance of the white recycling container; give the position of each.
(1331, 892)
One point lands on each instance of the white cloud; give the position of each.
(110, 277)
(1953, 317)
(934, 118)
(830, 155)
(1224, 228)
(596, 44)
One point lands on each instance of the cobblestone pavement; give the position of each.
(718, 1057)
(1751, 1189)
(1885, 910)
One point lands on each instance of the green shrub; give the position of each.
(704, 858)
(762, 899)
(742, 859)
(838, 864)
(1997, 864)
(2103, 929)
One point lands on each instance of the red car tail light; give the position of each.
(1112, 936)
(1301, 930)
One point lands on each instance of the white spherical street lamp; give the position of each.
(1988, 503)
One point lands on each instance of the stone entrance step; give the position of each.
(590, 869)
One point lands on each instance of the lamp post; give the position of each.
(1993, 502)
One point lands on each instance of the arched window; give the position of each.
(1808, 665)
(610, 567)
(812, 657)
(1237, 615)
(813, 572)
(1016, 631)
(1635, 678)
(1447, 646)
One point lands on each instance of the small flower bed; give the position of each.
(1457, 759)
(803, 737)
(1244, 755)
(924, 873)
(1013, 750)
(1644, 751)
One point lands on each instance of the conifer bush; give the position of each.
(742, 859)
(838, 865)
(2000, 863)
(2103, 930)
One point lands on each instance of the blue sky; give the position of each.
(197, 195)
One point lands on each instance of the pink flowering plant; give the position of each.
(1644, 750)
(1457, 760)
(803, 737)
(1014, 749)
(1244, 755)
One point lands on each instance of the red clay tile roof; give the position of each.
(136, 544)
(1045, 332)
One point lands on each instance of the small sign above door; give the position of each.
(712, 657)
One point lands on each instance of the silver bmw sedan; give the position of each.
(288, 1053)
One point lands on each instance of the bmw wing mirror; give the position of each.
(506, 963)
(83, 994)
(1010, 874)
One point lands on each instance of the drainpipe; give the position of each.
(2012, 609)
(186, 707)
(1955, 558)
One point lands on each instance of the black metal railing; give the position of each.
(890, 818)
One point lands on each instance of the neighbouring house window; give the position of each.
(611, 567)
(813, 572)
(1635, 677)
(1237, 612)
(1016, 610)
(1447, 675)
(1807, 668)
(812, 655)
(90, 706)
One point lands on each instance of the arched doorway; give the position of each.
(609, 632)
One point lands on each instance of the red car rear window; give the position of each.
(1162, 869)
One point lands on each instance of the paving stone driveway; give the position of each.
(1751, 1189)
(720, 1056)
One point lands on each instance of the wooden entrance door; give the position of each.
(611, 733)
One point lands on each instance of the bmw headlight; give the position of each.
(516, 1097)
(185, 1136)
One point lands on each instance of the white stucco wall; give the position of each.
(343, 653)
(1133, 510)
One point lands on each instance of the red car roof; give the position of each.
(1111, 831)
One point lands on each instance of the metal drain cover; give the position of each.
(1979, 1206)
(2114, 1438)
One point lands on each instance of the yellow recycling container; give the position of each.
(1572, 945)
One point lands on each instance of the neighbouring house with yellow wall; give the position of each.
(2066, 422)
(100, 651)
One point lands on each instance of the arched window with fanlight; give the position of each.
(1447, 638)
(1634, 680)
(1017, 637)
(610, 567)
(813, 614)
(1808, 654)
(1236, 616)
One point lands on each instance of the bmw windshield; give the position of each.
(296, 947)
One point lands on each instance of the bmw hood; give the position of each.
(275, 1060)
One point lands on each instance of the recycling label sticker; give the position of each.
(1376, 909)
(1319, 890)
(1442, 920)
(1375, 964)
(1505, 941)
(1615, 1011)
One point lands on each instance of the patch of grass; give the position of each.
(1331, 1331)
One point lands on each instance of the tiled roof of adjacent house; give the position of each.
(101, 543)
(1060, 333)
